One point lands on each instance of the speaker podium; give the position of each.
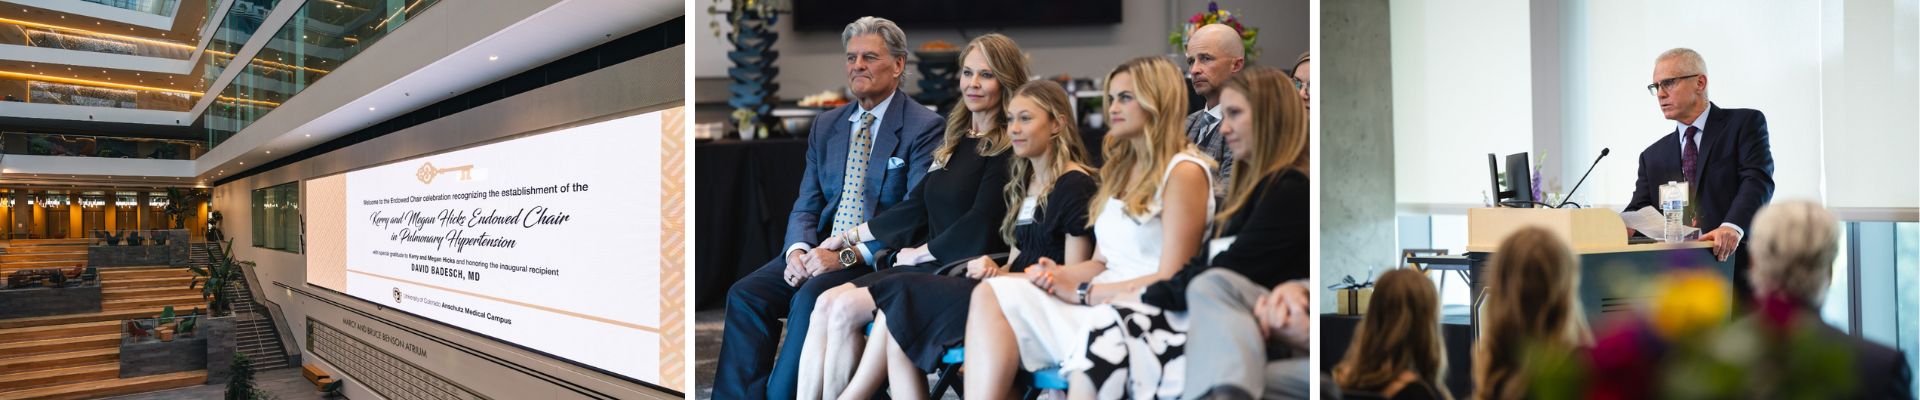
(1614, 275)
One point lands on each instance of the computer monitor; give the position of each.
(1519, 192)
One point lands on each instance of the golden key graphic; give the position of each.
(427, 172)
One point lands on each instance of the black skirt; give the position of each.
(926, 313)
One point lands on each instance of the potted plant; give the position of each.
(213, 279)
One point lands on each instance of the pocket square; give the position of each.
(895, 163)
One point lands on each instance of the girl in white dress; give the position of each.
(1149, 218)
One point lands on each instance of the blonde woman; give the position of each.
(953, 215)
(1396, 352)
(923, 315)
(1250, 291)
(1533, 298)
(1148, 217)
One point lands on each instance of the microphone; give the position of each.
(1583, 177)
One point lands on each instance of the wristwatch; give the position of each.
(1082, 290)
(849, 257)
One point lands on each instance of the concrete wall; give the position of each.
(1356, 141)
(489, 367)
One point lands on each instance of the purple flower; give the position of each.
(1213, 7)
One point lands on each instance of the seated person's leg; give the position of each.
(754, 305)
(992, 355)
(781, 384)
(848, 316)
(1288, 379)
(1230, 350)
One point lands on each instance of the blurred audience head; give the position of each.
(876, 58)
(1792, 250)
(1532, 299)
(1400, 334)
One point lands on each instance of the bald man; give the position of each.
(1214, 54)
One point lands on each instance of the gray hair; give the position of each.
(1690, 61)
(895, 38)
(1794, 245)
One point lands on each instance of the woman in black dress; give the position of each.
(921, 316)
(953, 215)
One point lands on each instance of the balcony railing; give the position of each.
(43, 144)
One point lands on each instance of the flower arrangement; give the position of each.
(1684, 343)
(1215, 15)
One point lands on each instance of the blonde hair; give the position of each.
(1279, 137)
(1135, 165)
(1401, 332)
(1009, 71)
(1068, 151)
(1793, 247)
(1533, 298)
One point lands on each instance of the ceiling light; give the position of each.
(493, 58)
(370, 108)
(269, 151)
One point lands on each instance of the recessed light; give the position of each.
(243, 163)
(269, 151)
(370, 108)
(493, 58)
(309, 135)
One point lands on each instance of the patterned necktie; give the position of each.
(1688, 154)
(853, 200)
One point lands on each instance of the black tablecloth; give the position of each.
(745, 190)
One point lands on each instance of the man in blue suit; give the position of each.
(1722, 153)
(861, 160)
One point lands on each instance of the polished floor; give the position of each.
(284, 383)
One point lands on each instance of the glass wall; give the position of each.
(276, 217)
(164, 8)
(33, 34)
(321, 36)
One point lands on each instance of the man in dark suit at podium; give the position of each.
(1722, 153)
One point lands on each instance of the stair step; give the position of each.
(15, 365)
(49, 377)
(9, 267)
(63, 343)
(80, 256)
(139, 303)
(46, 249)
(140, 273)
(178, 281)
(113, 387)
(36, 333)
(157, 291)
(111, 316)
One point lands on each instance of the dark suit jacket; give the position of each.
(1882, 370)
(909, 133)
(1735, 169)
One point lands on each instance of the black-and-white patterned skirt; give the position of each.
(1139, 352)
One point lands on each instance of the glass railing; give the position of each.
(45, 144)
(164, 8)
(51, 89)
(33, 34)
(321, 36)
(136, 237)
(243, 19)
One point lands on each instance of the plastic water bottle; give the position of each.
(1673, 204)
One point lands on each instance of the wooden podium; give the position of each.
(1613, 274)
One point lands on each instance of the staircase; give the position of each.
(43, 253)
(254, 333)
(77, 356)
